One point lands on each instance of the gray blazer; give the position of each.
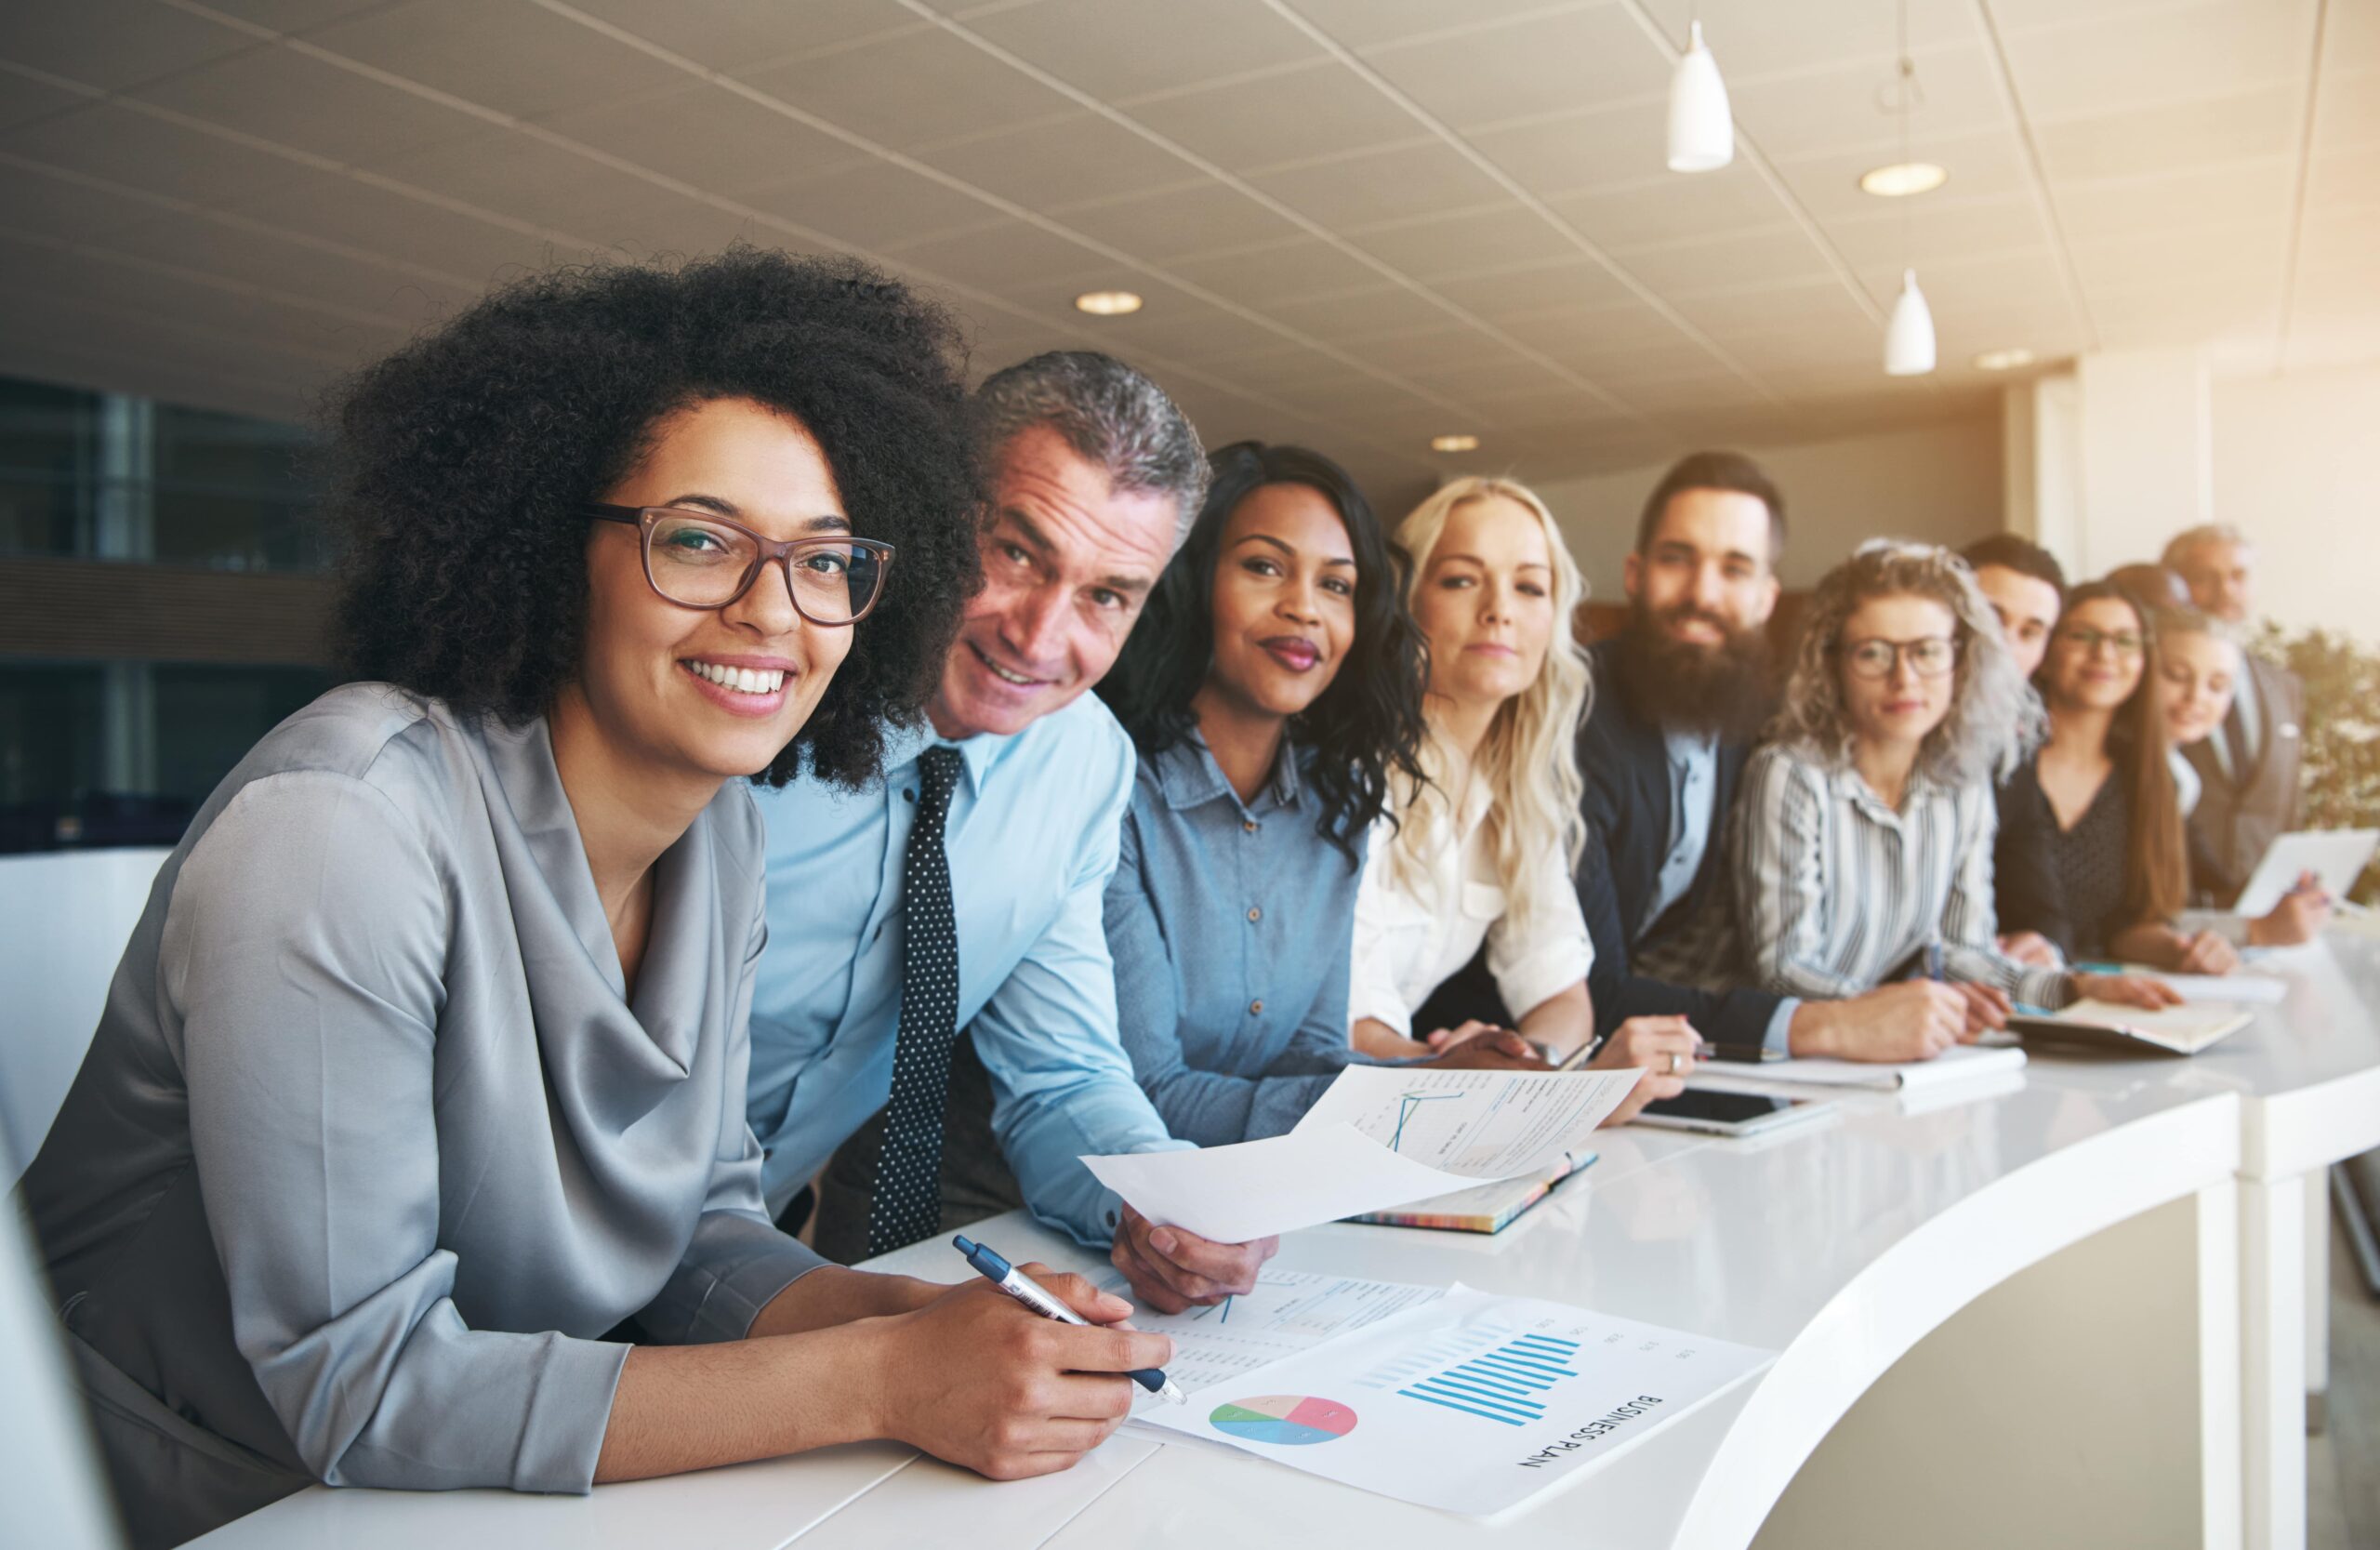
(2237, 820)
(370, 1154)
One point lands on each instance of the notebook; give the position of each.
(2183, 1029)
(1959, 1063)
(1484, 1207)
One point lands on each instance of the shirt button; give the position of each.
(1255, 1007)
(908, 794)
(1255, 914)
(1249, 826)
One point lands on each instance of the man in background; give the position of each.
(2251, 766)
(2026, 586)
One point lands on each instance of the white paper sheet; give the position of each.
(2230, 989)
(1257, 1189)
(1290, 1311)
(1474, 1403)
(1959, 1063)
(1481, 1124)
(1381, 1136)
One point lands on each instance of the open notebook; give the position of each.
(2183, 1029)
(1482, 1208)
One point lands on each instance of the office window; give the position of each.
(48, 468)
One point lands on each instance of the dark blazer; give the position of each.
(2028, 893)
(2236, 820)
(1626, 808)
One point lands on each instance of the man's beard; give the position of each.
(1687, 687)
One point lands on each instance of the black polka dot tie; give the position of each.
(909, 1193)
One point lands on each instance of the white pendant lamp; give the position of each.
(1702, 132)
(1908, 342)
(1909, 339)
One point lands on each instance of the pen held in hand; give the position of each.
(1034, 1295)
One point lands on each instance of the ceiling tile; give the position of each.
(1519, 292)
(359, 215)
(1666, 207)
(291, 16)
(872, 205)
(1547, 62)
(1320, 109)
(112, 43)
(1776, 252)
(645, 220)
(1466, 242)
(1849, 107)
(1385, 309)
(1012, 258)
(262, 258)
(1386, 185)
(1932, 229)
(123, 145)
(2257, 192)
(706, 136)
(476, 51)
(2218, 253)
(909, 89)
(2165, 56)
(730, 35)
(1203, 217)
(1751, 42)
(1723, 313)
(71, 209)
(1566, 152)
(1060, 161)
(1361, 24)
(2346, 111)
(2260, 122)
(23, 100)
(1183, 328)
(1302, 266)
(1115, 49)
(511, 174)
(285, 97)
(2342, 179)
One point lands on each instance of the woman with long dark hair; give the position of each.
(2117, 847)
(1274, 689)
(411, 1148)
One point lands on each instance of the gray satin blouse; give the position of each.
(370, 1152)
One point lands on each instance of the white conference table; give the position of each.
(2096, 1273)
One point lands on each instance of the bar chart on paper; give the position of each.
(1511, 1382)
(1470, 1401)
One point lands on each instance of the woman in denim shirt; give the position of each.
(1274, 689)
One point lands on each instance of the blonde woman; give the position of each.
(1482, 850)
(1862, 845)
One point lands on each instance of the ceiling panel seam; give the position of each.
(2286, 322)
(813, 238)
(2003, 78)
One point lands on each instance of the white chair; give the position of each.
(50, 1474)
(64, 918)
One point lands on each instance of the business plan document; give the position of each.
(1381, 1136)
(1473, 1403)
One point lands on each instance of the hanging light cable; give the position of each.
(1702, 130)
(1909, 339)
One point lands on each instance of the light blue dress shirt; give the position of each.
(1694, 787)
(1231, 923)
(1032, 843)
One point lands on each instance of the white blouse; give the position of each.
(1408, 943)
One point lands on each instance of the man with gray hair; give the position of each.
(966, 892)
(2249, 766)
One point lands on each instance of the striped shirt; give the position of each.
(1839, 892)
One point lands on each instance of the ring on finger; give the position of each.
(1674, 1063)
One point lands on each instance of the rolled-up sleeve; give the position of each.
(737, 1260)
(307, 945)
(1537, 955)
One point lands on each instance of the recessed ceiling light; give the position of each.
(2003, 360)
(1454, 443)
(1107, 304)
(1903, 178)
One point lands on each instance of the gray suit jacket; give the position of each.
(371, 1152)
(2238, 816)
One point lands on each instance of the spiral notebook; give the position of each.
(1484, 1207)
(2172, 1031)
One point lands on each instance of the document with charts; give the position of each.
(1473, 1403)
(1290, 1311)
(1480, 1124)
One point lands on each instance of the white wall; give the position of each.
(2297, 466)
(1939, 482)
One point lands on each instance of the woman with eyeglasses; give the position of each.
(2119, 863)
(1862, 843)
(411, 1148)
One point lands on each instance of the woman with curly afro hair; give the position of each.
(410, 1150)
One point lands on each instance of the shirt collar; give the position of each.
(1188, 777)
(977, 755)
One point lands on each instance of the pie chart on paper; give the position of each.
(1290, 1419)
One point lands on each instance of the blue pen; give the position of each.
(1025, 1290)
(1933, 957)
